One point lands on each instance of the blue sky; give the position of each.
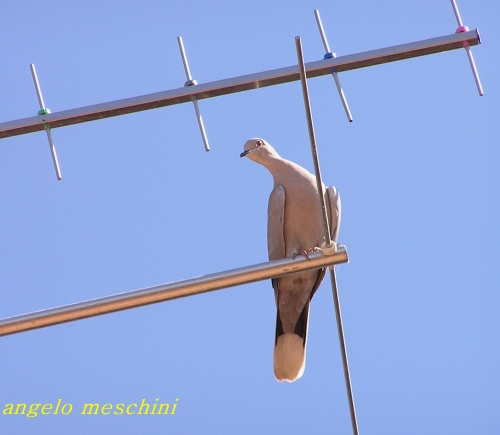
(141, 203)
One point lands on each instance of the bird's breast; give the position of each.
(303, 223)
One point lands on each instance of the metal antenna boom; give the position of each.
(237, 84)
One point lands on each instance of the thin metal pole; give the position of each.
(336, 299)
(53, 153)
(166, 292)
(461, 29)
(474, 71)
(237, 84)
(37, 86)
(334, 73)
(342, 97)
(322, 31)
(184, 58)
(191, 82)
(457, 13)
(343, 348)
(46, 126)
(201, 124)
(312, 139)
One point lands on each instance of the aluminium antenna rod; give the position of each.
(336, 300)
(169, 291)
(461, 29)
(191, 82)
(44, 111)
(329, 55)
(343, 348)
(312, 139)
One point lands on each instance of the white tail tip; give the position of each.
(289, 358)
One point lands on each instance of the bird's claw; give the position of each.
(306, 253)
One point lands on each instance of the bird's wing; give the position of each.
(334, 211)
(275, 223)
(275, 228)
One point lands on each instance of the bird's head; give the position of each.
(258, 150)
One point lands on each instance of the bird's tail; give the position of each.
(290, 348)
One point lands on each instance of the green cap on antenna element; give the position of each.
(44, 111)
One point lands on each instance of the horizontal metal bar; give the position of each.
(238, 84)
(166, 292)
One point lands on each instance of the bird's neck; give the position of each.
(272, 163)
(280, 169)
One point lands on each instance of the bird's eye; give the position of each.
(258, 143)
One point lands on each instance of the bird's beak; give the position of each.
(244, 153)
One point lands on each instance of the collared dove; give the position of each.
(295, 226)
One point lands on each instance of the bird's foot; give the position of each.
(306, 253)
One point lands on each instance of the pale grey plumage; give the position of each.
(294, 226)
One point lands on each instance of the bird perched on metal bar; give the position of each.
(295, 226)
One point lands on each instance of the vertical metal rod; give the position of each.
(184, 58)
(457, 13)
(345, 363)
(201, 125)
(461, 28)
(191, 82)
(474, 71)
(37, 86)
(319, 183)
(47, 127)
(342, 97)
(334, 73)
(312, 139)
(322, 31)
(54, 154)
